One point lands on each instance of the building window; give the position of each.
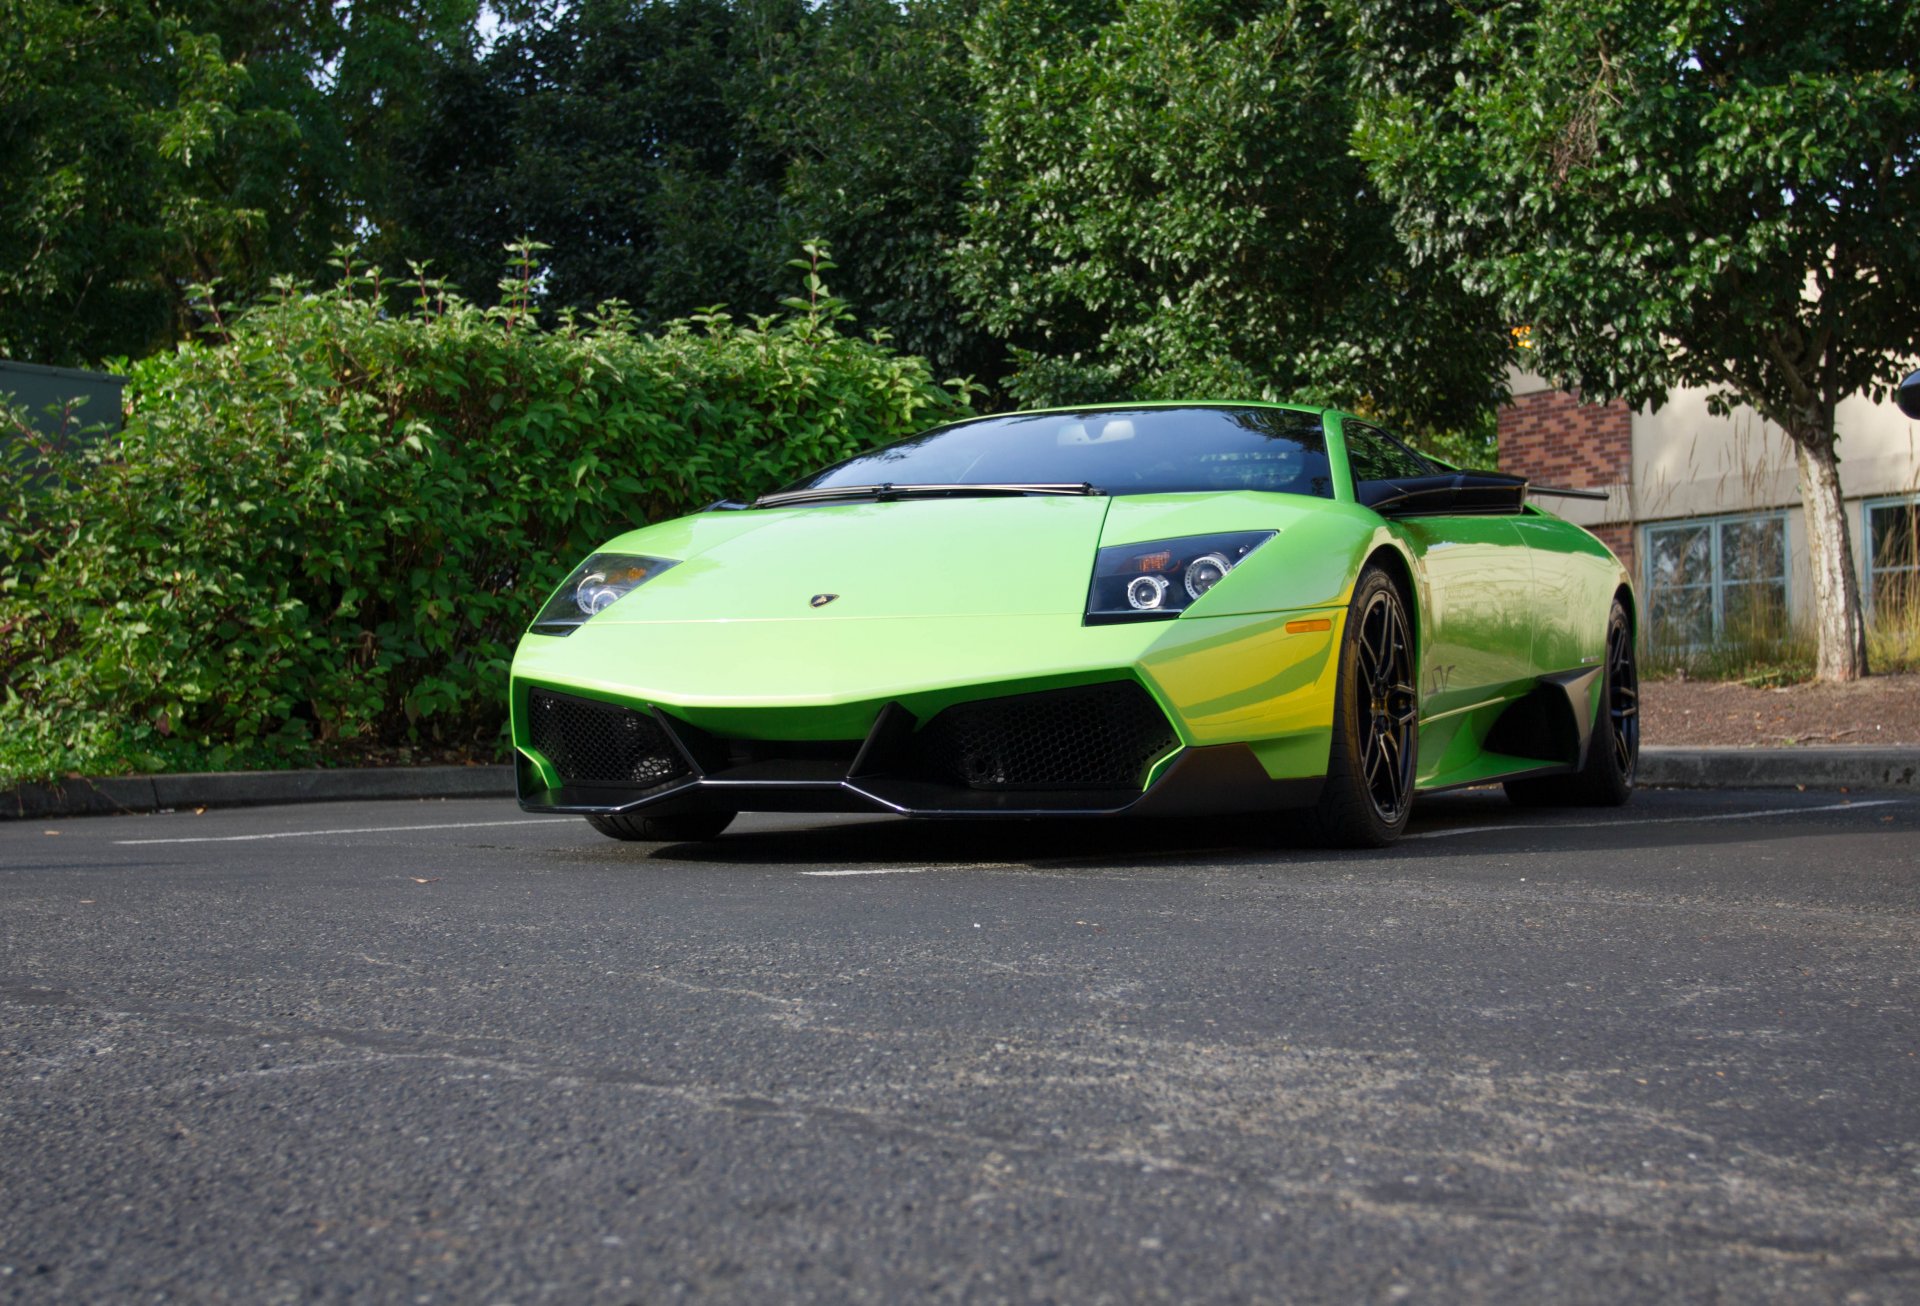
(1893, 553)
(1717, 579)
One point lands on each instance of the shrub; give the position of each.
(320, 533)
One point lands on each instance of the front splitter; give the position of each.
(1207, 781)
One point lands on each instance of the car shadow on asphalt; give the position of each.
(909, 843)
(1443, 826)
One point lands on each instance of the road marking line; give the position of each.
(1655, 820)
(922, 870)
(369, 829)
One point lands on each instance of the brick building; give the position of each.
(1705, 510)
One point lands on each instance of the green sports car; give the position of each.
(1142, 609)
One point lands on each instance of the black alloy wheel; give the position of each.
(1623, 696)
(1368, 793)
(1390, 704)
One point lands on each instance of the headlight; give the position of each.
(1138, 582)
(595, 585)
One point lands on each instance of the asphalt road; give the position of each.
(449, 1053)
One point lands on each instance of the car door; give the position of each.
(1574, 578)
(1475, 605)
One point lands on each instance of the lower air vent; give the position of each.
(592, 743)
(1095, 737)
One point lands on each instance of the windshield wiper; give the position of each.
(887, 491)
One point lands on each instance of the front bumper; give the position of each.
(1026, 717)
(678, 768)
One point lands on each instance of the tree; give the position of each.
(111, 118)
(150, 146)
(615, 133)
(347, 78)
(1673, 194)
(871, 106)
(673, 152)
(1167, 204)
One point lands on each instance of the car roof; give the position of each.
(1178, 403)
(1135, 405)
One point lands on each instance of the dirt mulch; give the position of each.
(1692, 713)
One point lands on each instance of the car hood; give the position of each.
(910, 558)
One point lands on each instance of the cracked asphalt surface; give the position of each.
(447, 1052)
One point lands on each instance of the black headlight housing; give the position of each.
(1160, 579)
(595, 585)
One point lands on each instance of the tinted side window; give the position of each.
(1376, 456)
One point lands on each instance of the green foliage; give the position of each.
(324, 530)
(1893, 637)
(870, 106)
(1764, 652)
(1674, 194)
(1764, 658)
(148, 145)
(616, 133)
(674, 151)
(1167, 206)
(1670, 194)
(109, 188)
(1475, 446)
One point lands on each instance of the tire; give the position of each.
(1613, 752)
(679, 827)
(1368, 793)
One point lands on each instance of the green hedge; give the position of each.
(319, 536)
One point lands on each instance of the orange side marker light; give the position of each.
(1308, 627)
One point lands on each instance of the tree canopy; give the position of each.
(1166, 203)
(616, 135)
(1062, 198)
(1673, 194)
(150, 146)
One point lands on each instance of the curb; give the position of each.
(1819, 767)
(152, 793)
(1660, 768)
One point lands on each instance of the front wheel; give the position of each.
(1368, 792)
(679, 827)
(1613, 752)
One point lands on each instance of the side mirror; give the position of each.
(1908, 396)
(1448, 494)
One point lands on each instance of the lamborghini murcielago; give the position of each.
(1143, 609)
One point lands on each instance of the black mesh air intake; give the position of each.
(591, 743)
(1094, 737)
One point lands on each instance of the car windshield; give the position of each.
(1116, 451)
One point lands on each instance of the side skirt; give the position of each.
(1545, 731)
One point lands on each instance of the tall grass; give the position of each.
(1769, 652)
(1753, 655)
(1893, 640)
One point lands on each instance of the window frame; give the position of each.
(1872, 566)
(1717, 583)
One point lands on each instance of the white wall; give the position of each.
(1689, 463)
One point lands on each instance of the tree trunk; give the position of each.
(1837, 619)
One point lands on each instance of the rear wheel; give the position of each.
(679, 827)
(1368, 792)
(1613, 753)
